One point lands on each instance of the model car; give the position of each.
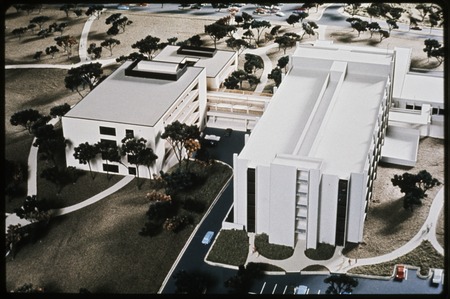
(437, 276)
(301, 290)
(208, 237)
(400, 272)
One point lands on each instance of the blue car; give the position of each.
(301, 290)
(208, 237)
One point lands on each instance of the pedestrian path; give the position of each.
(340, 263)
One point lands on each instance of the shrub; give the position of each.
(230, 247)
(322, 252)
(272, 251)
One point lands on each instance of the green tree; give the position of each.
(67, 8)
(66, 42)
(239, 45)
(253, 63)
(33, 209)
(135, 149)
(414, 186)
(94, 50)
(339, 284)
(260, 26)
(40, 20)
(51, 51)
(373, 27)
(84, 75)
(118, 21)
(283, 63)
(292, 19)
(216, 31)
(25, 118)
(276, 75)
(238, 76)
(59, 110)
(95, 10)
(177, 134)
(84, 153)
(383, 34)
(49, 142)
(147, 46)
(287, 40)
(110, 153)
(19, 31)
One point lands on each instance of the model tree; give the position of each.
(235, 80)
(260, 26)
(118, 21)
(276, 75)
(94, 51)
(283, 63)
(287, 40)
(40, 20)
(339, 284)
(66, 42)
(95, 10)
(414, 186)
(147, 46)
(138, 153)
(67, 8)
(25, 118)
(177, 134)
(253, 63)
(51, 51)
(84, 153)
(434, 49)
(19, 31)
(109, 44)
(60, 110)
(109, 152)
(49, 141)
(84, 75)
(239, 45)
(216, 31)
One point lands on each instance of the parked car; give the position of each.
(416, 28)
(301, 290)
(400, 272)
(196, 6)
(123, 7)
(437, 276)
(280, 14)
(208, 237)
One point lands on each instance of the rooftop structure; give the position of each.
(124, 99)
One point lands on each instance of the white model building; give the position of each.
(138, 99)
(219, 64)
(306, 171)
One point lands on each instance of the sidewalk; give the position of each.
(341, 264)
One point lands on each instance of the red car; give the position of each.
(400, 272)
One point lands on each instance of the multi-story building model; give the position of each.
(140, 98)
(307, 169)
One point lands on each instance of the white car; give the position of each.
(437, 276)
(280, 14)
(208, 237)
(301, 290)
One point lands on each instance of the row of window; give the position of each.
(434, 111)
(112, 132)
(115, 169)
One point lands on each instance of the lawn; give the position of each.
(99, 247)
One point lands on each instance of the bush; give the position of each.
(230, 247)
(272, 251)
(194, 205)
(322, 252)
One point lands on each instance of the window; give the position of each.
(409, 106)
(108, 131)
(132, 170)
(111, 168)
(129, 133)
(251, 205)
(113, 143)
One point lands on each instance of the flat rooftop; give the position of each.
(134, 100)
(325, 109)
(213, 65)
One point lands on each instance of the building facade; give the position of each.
(139, 99)
(307, 169)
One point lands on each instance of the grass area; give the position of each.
(321, 253)
(313, 268)
(99, 247)
(424, 257)
(272, 251)
(230, 247)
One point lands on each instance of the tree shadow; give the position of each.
(424, 63)
(343, 37)
(393, 215)
(95, 35)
